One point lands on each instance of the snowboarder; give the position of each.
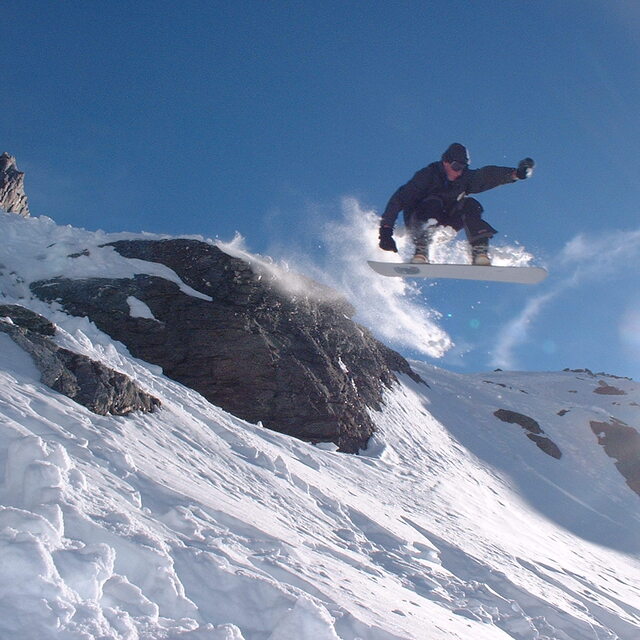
(437, 196)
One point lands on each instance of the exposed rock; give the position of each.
(536, 434)
(546, 444)
(27, 319)
(513, 417)
(12, 196)
(91, 384)
(622, 443)
(606, 389)
(503, 385)
(599, 374)
(294, 361)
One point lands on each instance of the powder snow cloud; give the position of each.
(395, 309)
(390, 307)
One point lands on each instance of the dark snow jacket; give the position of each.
(432, 181)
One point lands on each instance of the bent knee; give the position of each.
(471, 207)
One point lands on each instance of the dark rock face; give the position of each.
(91, 384)
(27, 319)
(512, 417)
(536, 434)
(12, 196)
(622, 443)
(295, 362)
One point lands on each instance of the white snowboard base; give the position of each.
(518, 275)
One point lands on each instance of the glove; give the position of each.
(525, 169)
(387, 243)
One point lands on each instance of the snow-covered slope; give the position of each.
(190, 523)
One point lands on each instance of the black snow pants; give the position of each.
(464, 214)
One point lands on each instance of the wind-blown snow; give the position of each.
(393, 308)
(190, 523)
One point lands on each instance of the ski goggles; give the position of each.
(458, 166)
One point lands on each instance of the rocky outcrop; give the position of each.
(12, 196)
(591, 374)
(88, 382)
(535, 432)
(296, 362)
(604, 388)
(622, 443)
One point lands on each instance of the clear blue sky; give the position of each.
(215, 117)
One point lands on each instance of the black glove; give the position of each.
(387, 243)
(525, 169)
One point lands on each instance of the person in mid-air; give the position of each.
(438, 196)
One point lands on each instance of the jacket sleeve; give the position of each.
(408, 195)
(490, 177)
(393, 208)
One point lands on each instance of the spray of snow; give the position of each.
(280, 274)
(396, 310)
(390, 307)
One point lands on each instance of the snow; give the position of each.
(394, 307)
(190, 523)
(139, 309)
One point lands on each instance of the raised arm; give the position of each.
(491, 176)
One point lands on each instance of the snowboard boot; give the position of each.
(421, 241)
(419, 258)
(480, 253)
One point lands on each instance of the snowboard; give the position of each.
(517, 275)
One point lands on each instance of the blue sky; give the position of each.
(260, 118)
